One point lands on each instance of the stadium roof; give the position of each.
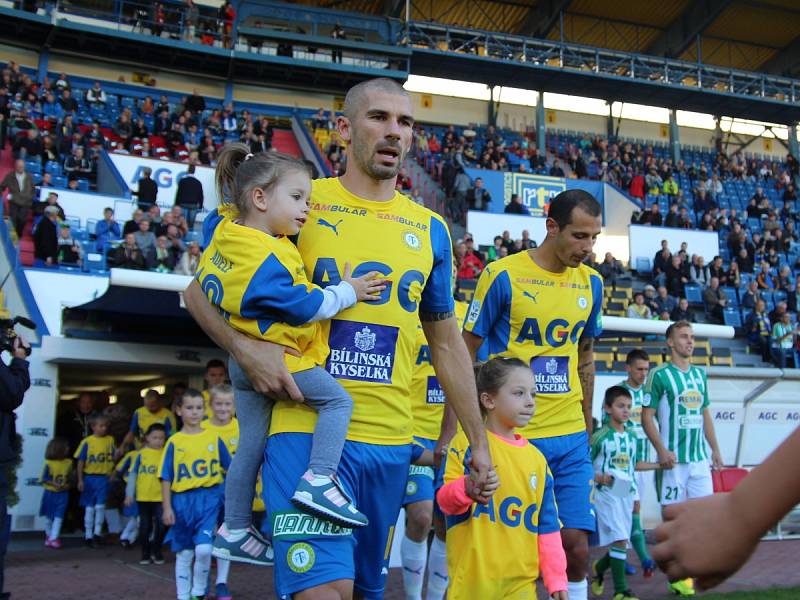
(753, 35)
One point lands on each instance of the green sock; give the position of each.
(603, 564)
(637, 539)
(618, 556)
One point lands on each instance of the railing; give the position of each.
(563, 55)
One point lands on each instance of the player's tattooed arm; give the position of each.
(436, 316)
(586, 375)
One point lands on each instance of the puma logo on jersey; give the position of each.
(333, 227)
(531, 296)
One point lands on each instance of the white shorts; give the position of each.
(614, 517)
(643, 482)
(683, 482)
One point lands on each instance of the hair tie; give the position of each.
(248, 157)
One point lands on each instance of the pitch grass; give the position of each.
(775, 594)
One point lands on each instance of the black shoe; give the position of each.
(125, 544)
(90, 543)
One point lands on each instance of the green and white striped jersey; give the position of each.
(679, 399)
(644, 449)
(614, 452)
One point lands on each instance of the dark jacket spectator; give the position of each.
(681, 312)
(190, 191)
(45, 238)
(148, 190)
(516, 207)
(19, 184)
(610, 268)
(195, 103)
(128, 255)
(714, 299)
(675, 277)
(73, 424)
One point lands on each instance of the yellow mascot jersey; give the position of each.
(143, 418)
(228, 433)
(427, 396)
(492, 550)
(192, 461)
(372, 343)
(145, 467)
(258, 283)
(522, 311)
(55, 474)
(97, 454)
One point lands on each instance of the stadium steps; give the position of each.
(431, 192)
(284, 140)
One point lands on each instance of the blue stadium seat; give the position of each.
(83, 185)
(694, 293)
(643, 265)
(93, 261)
(732, 317)
(60, 181)
(33, 166)
(53, 168)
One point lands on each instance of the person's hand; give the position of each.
(440, 450)
(604, 478)
(129, 501)
(697, 539)
(263, 363)
(716, 460)
(49, 260)
(367, 287)
(480, 467)
(21, 348)
(168, 516)
(562, 595)
(667, 459)
(80, 485)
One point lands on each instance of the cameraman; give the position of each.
(14, 382)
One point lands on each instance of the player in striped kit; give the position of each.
(676, 394)
(637, 365)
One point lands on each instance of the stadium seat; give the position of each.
(643, 265)
(694, 294)
(732, 317)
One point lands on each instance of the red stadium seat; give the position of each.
(727, 478)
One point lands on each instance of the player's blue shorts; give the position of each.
(54, 504)
(196, 513)
(95, 490)
(570, 461)
(420, 482)
(130, 511)
(310, 552)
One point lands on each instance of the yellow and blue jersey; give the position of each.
(371, 343)
(427, 396)
(123, 467)
(228, 433)
(145, 468)
(259, 284)
(492, 550)
(97, 453)
(55, 474)
(143, 419)
(192, 461)
(523, 311)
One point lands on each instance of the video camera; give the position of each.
(8, 335)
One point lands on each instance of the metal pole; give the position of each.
(541, 141)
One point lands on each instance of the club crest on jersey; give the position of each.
(551, 373)
(534, 481)
(362, 351)
(412, 240)
(364, 340)
(582, 302)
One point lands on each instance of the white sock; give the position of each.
(202, 565)
(183, 574)
(413, 555)
(88, 522)
(99, 517)
(113, 520)
(437, 570)
(577, 590)
(48, 524)
(55, 531)
(223, 568)
(131, 530)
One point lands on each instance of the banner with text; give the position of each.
(536, 191)
(166, 174)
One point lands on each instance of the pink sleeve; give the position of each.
(452, 497)
(552, 562)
